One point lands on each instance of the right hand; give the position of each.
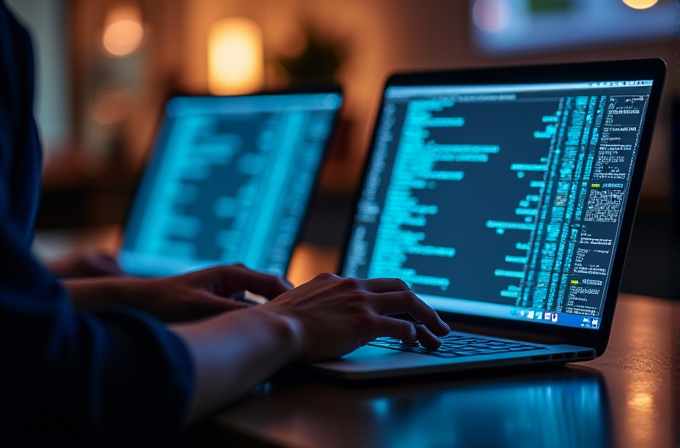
(323, 319)
(333, 316)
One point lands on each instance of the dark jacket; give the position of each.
(68, 378)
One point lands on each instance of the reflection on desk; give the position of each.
(566, 409)
(539, 412)
(623, 399)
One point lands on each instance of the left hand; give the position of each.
(86, 264)
(180, 298)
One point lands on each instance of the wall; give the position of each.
(45, 19)
(392, 35)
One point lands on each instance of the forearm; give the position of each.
(88, 294)
(234, 352)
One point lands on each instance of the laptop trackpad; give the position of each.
(377, 358)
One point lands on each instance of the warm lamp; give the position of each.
(640, 4)
(235, 57)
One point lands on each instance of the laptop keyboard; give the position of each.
(456, 345)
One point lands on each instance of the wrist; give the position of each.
(285, 328)
(87, 294)
(235, 351)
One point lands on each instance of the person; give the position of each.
(85, 263)
(115, 360)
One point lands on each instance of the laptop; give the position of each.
(229, 181)
(505, 198)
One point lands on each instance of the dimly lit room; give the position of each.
(224, 219)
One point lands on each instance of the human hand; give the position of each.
(334, 316)
(208, 292)
(84, 264)
(180, 298)
(322, 319)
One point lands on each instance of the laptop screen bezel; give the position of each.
(161, 131)
(648, 69)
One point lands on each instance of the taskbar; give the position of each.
(485, 309)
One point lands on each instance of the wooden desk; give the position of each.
(627, 398)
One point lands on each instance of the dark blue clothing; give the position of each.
(66, 377)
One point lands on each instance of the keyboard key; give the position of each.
(456, 345)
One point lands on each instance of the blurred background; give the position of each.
(105, 68)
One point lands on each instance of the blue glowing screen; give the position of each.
(503, 201)
(229, 182)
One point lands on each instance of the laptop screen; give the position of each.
(503, 201)
(229, 181)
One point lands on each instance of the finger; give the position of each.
(240, 278)
(426, 338)
(385, 285)
(403, 316)
(395, 328)
(399, 302)
(417, 332)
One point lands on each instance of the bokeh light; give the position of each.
(123, 31)
(640, 4)
(492, 16)
(235, 56)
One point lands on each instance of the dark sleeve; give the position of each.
(109, 378)
(66, 378)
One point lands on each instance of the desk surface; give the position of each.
(630, 397)
(626, 398)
